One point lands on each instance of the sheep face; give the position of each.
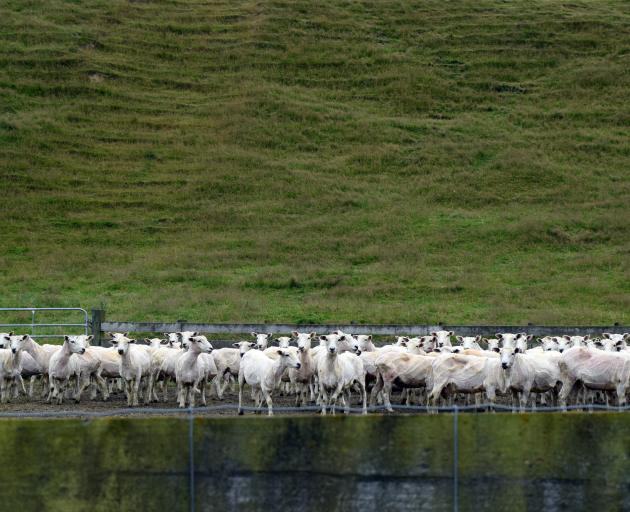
(262, 340)
(303, 340)
(78, 344)
(200, 344)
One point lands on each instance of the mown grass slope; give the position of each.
(375, 161)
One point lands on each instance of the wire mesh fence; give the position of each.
(418, 454)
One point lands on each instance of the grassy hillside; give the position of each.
(415, 161)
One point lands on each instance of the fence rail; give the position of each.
(85, 326)
(376, 329)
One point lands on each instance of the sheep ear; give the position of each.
(405, 339)
(496, 349)
(11, 333)
(323, 338)
(568, 338)
(89, 338)
(499, 336)
(254, 334)
(626, 336)
(369, 338)
(587, 337)
(110, 334)
(126, 334)
(529, 337)
(236, 345)
(459, 338)
(294, 334)
(606, 335)
(132, 340)
(280, 352)
(478, 338)
(450, 333)
(147, 340)
(66, 338)
(434, 333)
(25, 337)
(270, 335)
(195, 333)
(312, 335)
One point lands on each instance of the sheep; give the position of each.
(10, 369)
(166, 361)
(61, 369)
(338, 372)
(262, 373)
(228, 362)
(190, 370)
(407, 370)
(302, 378)
(31, 369)
(134, 367)
(40, 353)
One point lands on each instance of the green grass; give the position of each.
(376, 161)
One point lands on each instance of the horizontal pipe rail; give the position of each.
(42, 325)
(33, 324)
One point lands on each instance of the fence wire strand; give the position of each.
(209, 410)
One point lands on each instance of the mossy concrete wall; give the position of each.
(374, 463)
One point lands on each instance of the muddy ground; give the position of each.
(117, 400)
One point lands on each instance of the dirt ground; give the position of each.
(117, 400)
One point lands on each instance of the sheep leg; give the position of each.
(103, 385)
(31, 386)
(621, 393)
(335, 396)
(323, 399)
(136, 387)
(165, 388)
(376, 389)
(192, 395)
(181, 395)
(129, 391)
(81, 384)
(204, 383)
(567, 386)
(267, 396)
(387, 391)
(364, 394)
(240, 394)
(21, 382)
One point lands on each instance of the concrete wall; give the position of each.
(395, 463)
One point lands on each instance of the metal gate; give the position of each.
(33, 324)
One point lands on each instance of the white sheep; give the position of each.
(134, 367)
(61, 368)
(263, 373)
(191, 370)
(338, 373)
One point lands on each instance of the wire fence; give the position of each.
(215, 409)
(189, 415)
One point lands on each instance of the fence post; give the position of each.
(98, 315)
(191, 459)
(455, 460)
